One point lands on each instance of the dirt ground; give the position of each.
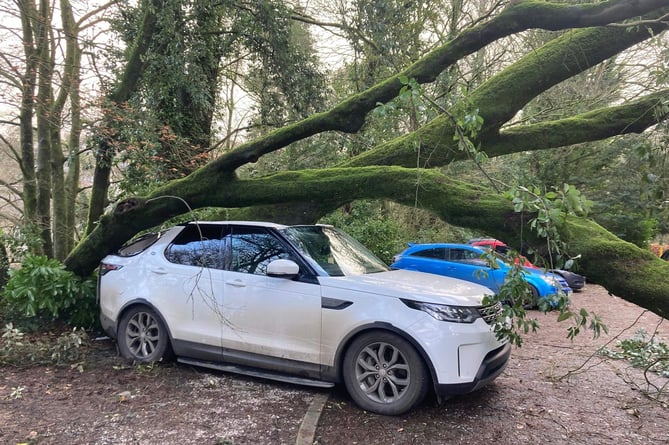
(605, 402)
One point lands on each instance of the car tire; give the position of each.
(532, 301)
(142, 336)
(384, 374)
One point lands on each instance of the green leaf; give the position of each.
(564, 316)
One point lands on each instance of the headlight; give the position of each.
(444, 312)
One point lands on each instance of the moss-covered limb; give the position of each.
(627, 271)
(502, 96)
(136, 214)
(632, 117)
(624, 269)
(310, 193)
(454, 201)
(349, 115)
(434, 145)
(286, 213)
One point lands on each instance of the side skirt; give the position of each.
(254, 372)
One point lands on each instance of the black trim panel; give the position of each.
(255, 372)
(334, 303)
(218, 354)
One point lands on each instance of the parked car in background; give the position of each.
(575, 281)
(467, 262)
(302, 304)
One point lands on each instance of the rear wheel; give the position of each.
(384, 374)
(142, 336)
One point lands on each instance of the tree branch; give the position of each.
(349, 115)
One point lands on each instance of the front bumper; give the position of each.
(492, 365)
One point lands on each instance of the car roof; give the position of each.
(449, 245)
(256, 224)
(493, 241)
(242, 223)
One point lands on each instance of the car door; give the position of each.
(467, 265)
(267, 316)
(429, 260)
(188, 284)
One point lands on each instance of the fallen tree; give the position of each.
(303, 196)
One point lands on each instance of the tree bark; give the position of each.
(63, 198)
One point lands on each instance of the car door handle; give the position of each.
(236, 283)
(159, 271)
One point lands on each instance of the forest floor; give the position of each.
(553, 391)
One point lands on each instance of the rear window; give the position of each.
(437, 253)
(138, 245)
(199, 245)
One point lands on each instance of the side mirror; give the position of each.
(283, 269)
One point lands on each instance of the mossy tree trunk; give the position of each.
(121, 93)
(305, 195)
(623, 268)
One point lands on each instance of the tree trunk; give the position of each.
(621, 267)
(65, 185)
(73, 79)
(29, 80)
(121, 93)
(44, 126)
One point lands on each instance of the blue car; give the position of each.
(468, 263)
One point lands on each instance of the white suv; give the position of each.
(304, 304)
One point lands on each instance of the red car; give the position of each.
(498, 246)
(575, 281)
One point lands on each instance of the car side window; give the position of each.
(253, 249)
(139, 244)
(465, 256)
(438, 253)
(197, 245)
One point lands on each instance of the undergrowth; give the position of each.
(19, 349)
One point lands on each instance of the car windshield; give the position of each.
(335, 252)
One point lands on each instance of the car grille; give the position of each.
(489, 313)
(563, 284)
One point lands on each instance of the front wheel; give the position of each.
(531, 301)
(384, 374)
(142, 336)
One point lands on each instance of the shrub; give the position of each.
(43, 288)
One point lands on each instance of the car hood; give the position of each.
(412, 285)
